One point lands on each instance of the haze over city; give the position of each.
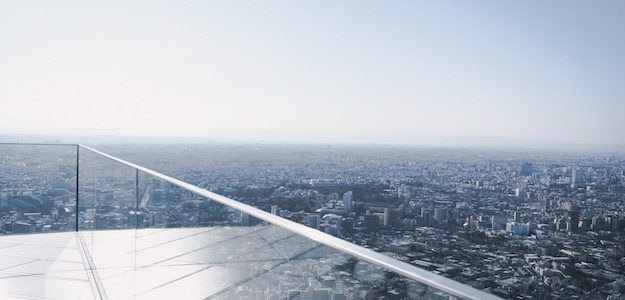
(323, 150)
(426, 72)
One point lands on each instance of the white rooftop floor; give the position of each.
(42, 266)
(190, 263)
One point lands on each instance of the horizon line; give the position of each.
(485, 143)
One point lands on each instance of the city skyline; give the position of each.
(407, 73)
(512, 224)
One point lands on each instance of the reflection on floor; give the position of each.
(191, 263)
(42, 266)
(196, 263)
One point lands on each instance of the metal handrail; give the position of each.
(420, 275)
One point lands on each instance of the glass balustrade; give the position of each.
(144, 235)
(37, 188)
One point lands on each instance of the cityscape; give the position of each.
(312, 150)
(519, 224)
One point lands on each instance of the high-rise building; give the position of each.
(312, 220)
(498, 222)
(371, 222)
(348, 200)
(387, 217)
(426, 217)
(518, 228)
(574, 215)
(441, 214)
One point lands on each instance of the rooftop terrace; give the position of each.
(138, 233)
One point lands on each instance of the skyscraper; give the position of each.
(573, 177)
(387, 217)
(348, 200)
(574, 215)
(441, 214)
(426, 217)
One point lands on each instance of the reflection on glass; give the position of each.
(188, 246)
(164, 205)
(37, 188)
(145, 238)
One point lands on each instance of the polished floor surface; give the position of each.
(191, 263)
(43, 266)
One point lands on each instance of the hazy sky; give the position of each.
(357, 71)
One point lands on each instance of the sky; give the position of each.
(316, 71)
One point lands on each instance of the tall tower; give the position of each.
(387, 217)
(574, 215)
(426, 217)
(348, 200)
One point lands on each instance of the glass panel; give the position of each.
(86, 197)
(37, 188)
(190, 247)
(146, 238)
(107, 203)
(164, 205)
